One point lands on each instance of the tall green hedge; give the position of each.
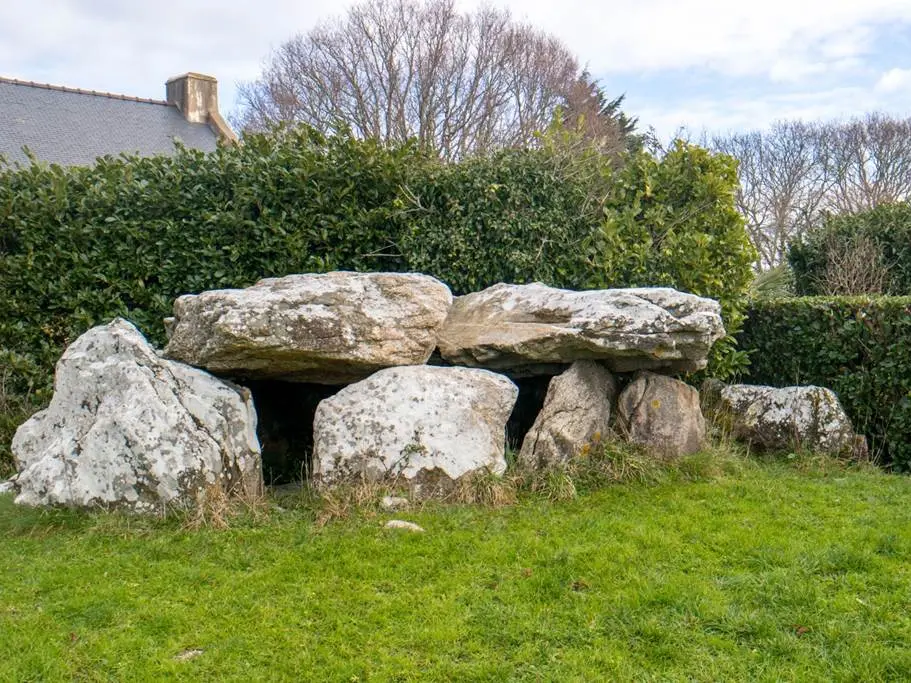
(860, 347)
(515, 216)
(125, 237)
(887, 226)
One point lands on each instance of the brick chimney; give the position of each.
(196, 96)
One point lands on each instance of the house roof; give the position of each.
(73, 127)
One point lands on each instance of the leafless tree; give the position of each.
(795, 171)
(782, 184)
(854, 266)
(868, 162)
(400, 69)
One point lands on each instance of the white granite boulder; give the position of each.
(127, 429)
(422, 426)
(662, 414)
(770, 418)
(520, 328)
(575, 416)
(332, 328)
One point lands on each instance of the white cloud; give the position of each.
(733, 38)
(751, 111)
(795, 71)
(894, 80)
(133, 47)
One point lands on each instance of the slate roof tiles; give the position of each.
(73, 127)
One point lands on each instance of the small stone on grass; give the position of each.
(402, 524)
(188, 654)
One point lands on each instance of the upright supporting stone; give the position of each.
(575, 416)
(662, 414)
(424, 427)
(127, 429)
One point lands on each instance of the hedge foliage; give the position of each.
(857, 346)
(80, 246)
(515, 216)
(887, 226)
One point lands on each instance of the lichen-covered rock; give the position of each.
(662, 414)
(421, 426)
(332, 328)
(770, 418)
(574, 418)
(521, 327)
(127, 429)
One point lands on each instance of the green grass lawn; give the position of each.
(767, 574)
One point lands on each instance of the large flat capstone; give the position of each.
(422, 426)
(333, 328)
(127, 429)
(525, 327)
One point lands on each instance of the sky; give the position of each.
(698, 65)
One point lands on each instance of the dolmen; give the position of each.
(427, 383)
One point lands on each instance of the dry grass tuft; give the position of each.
(215, 508)
(618, 462)
(486, 488)
(810, 462)
(554, 483)
(341, 502)
(212, 509)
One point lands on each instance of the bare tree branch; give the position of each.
(399, 69)
(794, 172)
